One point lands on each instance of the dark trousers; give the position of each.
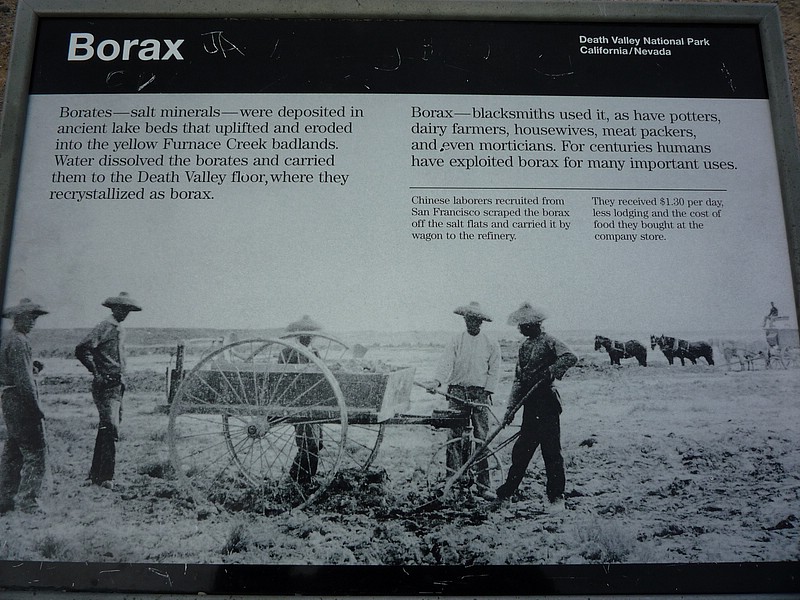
(458, 453)
(308, 439)
(22, 465)
(108, 400)
(537, 430)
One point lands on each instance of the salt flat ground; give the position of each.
(664, 464)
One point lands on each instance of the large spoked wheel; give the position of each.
(778, 357)
(363, 439)
(790, 357)
(258, 425)
(482, 476)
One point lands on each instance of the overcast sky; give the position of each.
(262, 257)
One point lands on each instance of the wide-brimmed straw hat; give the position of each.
(305, 323)
(526, 314)
(123, 300)
(25, 306)
(473, 309)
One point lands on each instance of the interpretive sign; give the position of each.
(307, 199)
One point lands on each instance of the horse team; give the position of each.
(671, 347)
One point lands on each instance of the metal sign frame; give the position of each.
(766, 579)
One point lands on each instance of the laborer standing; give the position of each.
(102, 352)
(23, 462)
(542, 359)
(470, 367)
(307, 437)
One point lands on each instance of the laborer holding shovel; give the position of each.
(542, 359)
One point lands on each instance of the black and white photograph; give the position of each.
(466, 291)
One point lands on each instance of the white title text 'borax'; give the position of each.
(82, 47)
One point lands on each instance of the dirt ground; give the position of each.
(665, 464)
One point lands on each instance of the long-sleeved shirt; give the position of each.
(102, 350)
(470, 360)
(538, 357)
(539, 353)
(16, 372)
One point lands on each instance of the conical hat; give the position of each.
(526, 314)
(124, 300)
(306, 323)
(25, 306)
(472, 309)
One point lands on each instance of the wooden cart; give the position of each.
(270, 422)
(784, 346)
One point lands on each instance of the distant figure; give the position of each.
(470, 366)
(542, 359)
(307, 437)
(102, 352)
(230, 354)
(772, 316)
(24, 453)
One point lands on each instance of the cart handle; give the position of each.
(449, 396)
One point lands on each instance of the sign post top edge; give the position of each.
(714, 12)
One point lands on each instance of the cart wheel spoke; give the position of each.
(258, 425)
(482, 476)
(328, 349)
(359, 448)
(363, 440)
(790, 357)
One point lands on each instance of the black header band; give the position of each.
(115, 55)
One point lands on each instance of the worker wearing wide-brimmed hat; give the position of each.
(23, 461)
(297, 329)
(307, 437)
(470, 367)
(542, 359)
(102, 352)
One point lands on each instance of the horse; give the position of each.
(617, 350)
(673, 347)
(745, 352)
